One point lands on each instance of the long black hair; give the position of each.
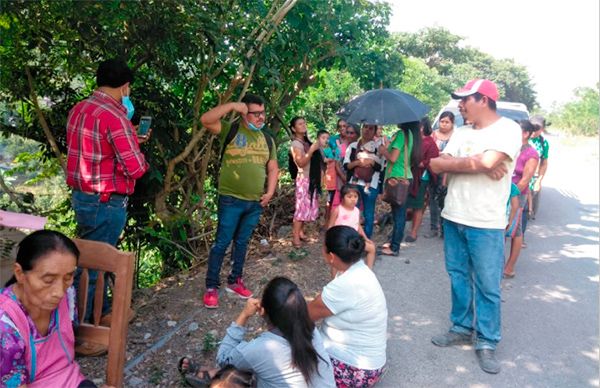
(286, 309)
(316, 164)
(426, 126)
(229, 376)
(417, 153)
(527, 126)
(39, 244)
(345, 243)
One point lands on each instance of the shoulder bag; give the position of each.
(395, 190)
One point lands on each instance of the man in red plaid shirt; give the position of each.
(104, 159)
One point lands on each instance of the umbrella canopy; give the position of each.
(383, 107)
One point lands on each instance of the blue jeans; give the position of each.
(399, 217)
(474, 261)
(237, 220)
(98, 221)
(368, 201)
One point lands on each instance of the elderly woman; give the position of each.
(354, 312)
(37, 311)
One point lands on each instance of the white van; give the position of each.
(512, 110)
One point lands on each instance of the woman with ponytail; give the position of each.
(306, 166)
(290, 353)
(354, 312)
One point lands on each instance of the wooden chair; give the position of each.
(105, 258)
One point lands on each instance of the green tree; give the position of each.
(441, 50)
(425, 83)
(188, 56)
(580, 116)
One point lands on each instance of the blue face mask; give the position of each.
(254, 127)
(126, 102)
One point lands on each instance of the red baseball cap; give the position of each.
(483, 86)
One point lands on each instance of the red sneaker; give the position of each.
(211, 298)
(239, 289)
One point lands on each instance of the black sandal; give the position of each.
(190, 374)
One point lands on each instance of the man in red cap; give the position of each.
(479, 160)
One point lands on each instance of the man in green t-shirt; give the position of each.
(541, 145)
(249, 159)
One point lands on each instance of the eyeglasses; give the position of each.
(258, 113)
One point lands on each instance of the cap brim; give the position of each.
(457, 95)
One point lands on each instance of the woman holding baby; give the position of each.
(364, 165)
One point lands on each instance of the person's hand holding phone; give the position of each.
(143, 129)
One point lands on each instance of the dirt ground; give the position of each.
(171, 320)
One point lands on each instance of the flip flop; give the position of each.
(508, 275)
(410, 239)
(190, 374)
(388, 252)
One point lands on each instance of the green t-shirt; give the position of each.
(396, 169)
(243, 168)
(541, 146)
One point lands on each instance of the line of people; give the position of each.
(469, 180)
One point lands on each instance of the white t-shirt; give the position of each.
(373, 144)
(356, 334)
(476, 199)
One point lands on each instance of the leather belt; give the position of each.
(105, 197)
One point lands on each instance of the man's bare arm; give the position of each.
(272, 176)
(490, 163)
(211, 120)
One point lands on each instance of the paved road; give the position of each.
(550, 309)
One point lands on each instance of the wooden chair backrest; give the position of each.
(104, 258)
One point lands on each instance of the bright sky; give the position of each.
(556, 40)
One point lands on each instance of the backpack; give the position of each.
(292, 168)
(235, 126)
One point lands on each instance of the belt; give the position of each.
(105, 197)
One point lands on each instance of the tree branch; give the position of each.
(43, 121)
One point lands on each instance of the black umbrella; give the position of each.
(383, 107)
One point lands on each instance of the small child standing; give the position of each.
(348, 214)
(333, 172)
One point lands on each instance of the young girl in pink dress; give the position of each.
(349, 215)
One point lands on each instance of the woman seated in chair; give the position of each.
(37, 311)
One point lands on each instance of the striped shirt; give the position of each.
(103, 151)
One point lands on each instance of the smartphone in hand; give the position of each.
(145, 122)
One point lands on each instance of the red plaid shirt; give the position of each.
(103, 151)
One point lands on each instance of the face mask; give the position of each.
(126, 102)
(254, 127)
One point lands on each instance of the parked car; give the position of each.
(512, 110)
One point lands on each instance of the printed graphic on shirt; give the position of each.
(243, 169)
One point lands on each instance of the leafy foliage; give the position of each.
(581, 116)
(188, 56)
(441, 50)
